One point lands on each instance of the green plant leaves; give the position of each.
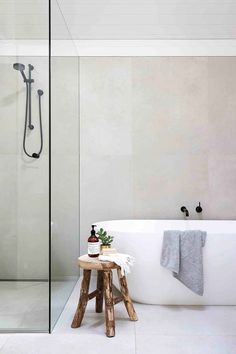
(104, 237)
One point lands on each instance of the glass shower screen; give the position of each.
(24, 178)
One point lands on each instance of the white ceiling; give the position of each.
(149, 19)
(119, 19)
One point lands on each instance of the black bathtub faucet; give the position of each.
(185, 211)
(199, 208)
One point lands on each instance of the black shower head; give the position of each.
(20, 67)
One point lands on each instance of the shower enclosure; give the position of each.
(39, 209)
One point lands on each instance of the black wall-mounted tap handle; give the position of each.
(199, 208)
(184, 210)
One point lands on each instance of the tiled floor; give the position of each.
(25, 304)
(160, 330)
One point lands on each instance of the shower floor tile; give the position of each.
(18, 301)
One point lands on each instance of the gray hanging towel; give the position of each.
(182, 254)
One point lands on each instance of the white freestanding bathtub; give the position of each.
(150, 283)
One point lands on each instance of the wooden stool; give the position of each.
(104, 289)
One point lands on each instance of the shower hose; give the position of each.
(34, 155)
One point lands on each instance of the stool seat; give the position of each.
(91, 263)
(103, 291)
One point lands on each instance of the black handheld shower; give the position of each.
(20, 67)
(28, 81)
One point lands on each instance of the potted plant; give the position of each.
(105, 239)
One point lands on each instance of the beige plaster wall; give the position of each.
(157, 133)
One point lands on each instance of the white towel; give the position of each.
(125, 261)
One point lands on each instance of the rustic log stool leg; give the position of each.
(127, 300)
(109, 308)
(83, 300)
(103, 290)
(99, 297)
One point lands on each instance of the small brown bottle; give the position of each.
(93, 244)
